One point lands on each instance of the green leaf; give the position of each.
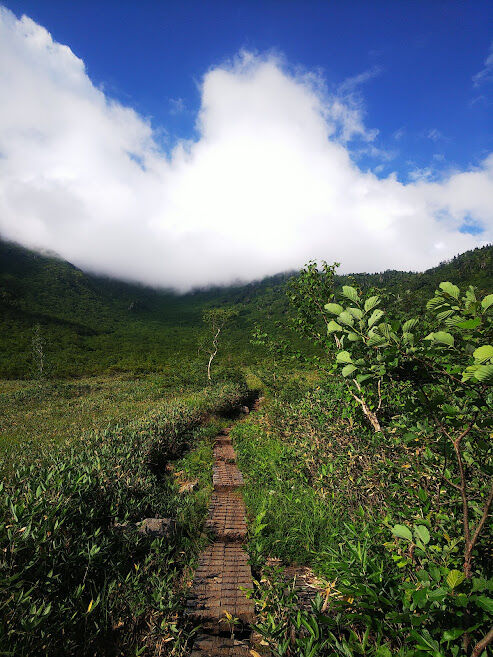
(375, 317)
(385, 329)
(484, 373)
(442, 337)
(375, 339)
(483, 354)
(354, 337)
(425, 640)
(344, 357)
(487, 302)
(422, 533)
(469, 372)
(454, 578)
(333, 326)
(401, 531)
(346, 318)
(438, 594)
(409, 325)
(479, 584)
(451, 289)
(370, 303)
(454, 321)
(356, 312)
(383, 651)
(469, 324)
(435, 301)
(348, 369)
(485, 603)
(452, 635)
(334, 308)
(350, 293)
(450, 410)
(445, 314)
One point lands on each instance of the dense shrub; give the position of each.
(395, 451)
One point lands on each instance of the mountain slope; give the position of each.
(92, 324)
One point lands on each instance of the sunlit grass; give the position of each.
(57, 412)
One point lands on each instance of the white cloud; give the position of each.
(350, 84)
(177, 106)
(435, 135)
(268, 184)
(425, 173)
(486, 73)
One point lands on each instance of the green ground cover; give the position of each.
(72, 581)
(55, 412)
(322, 490)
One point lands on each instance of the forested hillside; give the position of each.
(92, 324)
(470, 268)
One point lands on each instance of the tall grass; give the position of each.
(291, 520)
(360, 509)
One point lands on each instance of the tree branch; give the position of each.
(481, 645)
(484, 517)
(372, 418)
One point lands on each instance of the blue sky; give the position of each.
(188, 143)
(421, 58)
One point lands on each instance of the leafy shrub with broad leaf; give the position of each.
(448, 374)
(373, 347)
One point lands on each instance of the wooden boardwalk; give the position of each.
(226, 520)
(223, 572)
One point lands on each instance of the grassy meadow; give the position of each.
(54, 412)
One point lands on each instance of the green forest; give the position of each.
(369, 462)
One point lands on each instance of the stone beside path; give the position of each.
(223, 570)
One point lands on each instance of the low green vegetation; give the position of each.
(59, 411)
(75, 576)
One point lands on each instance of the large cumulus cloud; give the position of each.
(268, 183)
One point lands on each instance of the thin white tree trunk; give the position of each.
(213, 354)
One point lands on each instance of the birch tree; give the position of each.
(215, 320)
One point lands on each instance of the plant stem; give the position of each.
(481, 645)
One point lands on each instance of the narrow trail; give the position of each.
(223, 569)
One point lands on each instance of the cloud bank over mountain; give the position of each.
(268, 184)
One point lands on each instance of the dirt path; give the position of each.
(223, 569)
